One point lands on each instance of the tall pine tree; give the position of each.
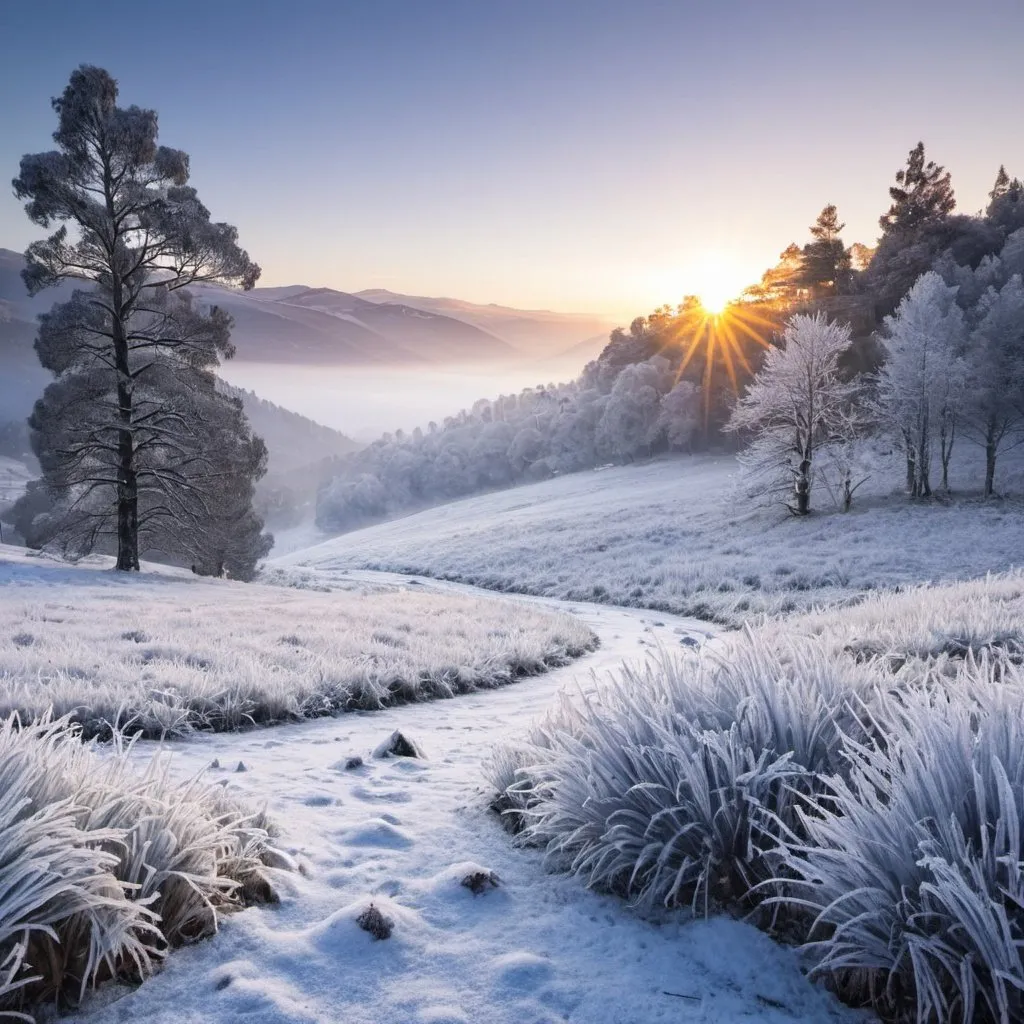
(139, 449)
(923, 193)
(826, 261)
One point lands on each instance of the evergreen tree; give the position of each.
(1006, 203)
(826, 261)
(923, 192)
(1001, 186)
(135, 441)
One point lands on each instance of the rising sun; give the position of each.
(715, 300)
(715, 280)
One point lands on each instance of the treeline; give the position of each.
(672, 379)
(951, 357)
(600, 417)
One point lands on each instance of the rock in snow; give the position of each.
(399, 745)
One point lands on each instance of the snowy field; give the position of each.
(167, 651)
(403, 834)
(675, 535)
(325, 629)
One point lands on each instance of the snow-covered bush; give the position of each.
(911, 866)
(104, 869)
(657, 786)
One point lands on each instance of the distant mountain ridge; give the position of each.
(535, 332)
(297, 324)
(293, 440)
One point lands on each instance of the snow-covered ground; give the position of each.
(675, 534)
(166, 650)
(402, 833)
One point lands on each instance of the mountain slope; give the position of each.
(438, 337)
(532, 331)
(297, 325)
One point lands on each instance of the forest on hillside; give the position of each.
(672, 379)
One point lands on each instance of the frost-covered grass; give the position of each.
(924, 623)
(857, 771)
(675, 535)
(164, 653)
(650, 787)
(910, 862)
(103, 869)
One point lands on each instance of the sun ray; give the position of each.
(728, 351)
(750, 333)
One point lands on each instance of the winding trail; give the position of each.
(403, 832)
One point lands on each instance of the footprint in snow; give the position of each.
(319, 800)
(377, 832)
(392, 796)
(521, 970)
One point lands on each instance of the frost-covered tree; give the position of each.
(219, 525)
(994, 409)
(795, 408)
(131, 433)
(629, 424)
(679, 417)
(920, 385)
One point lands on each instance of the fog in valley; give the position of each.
(365, 402)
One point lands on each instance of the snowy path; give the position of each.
(538, 949)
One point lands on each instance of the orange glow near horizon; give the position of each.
(715, 300)
(720, 334)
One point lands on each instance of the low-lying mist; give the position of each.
(364, 402)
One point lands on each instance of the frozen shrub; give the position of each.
(911, 867)
(104, 869)
(667, 785)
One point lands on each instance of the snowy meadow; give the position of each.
(169, 653)
(679, 535)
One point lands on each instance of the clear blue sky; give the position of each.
(602, 156)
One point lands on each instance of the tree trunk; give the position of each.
(802, 485)
(847, 491)
(924, 459)
(127, 482)
(946, 439)
(911, 471)
(990, 467)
